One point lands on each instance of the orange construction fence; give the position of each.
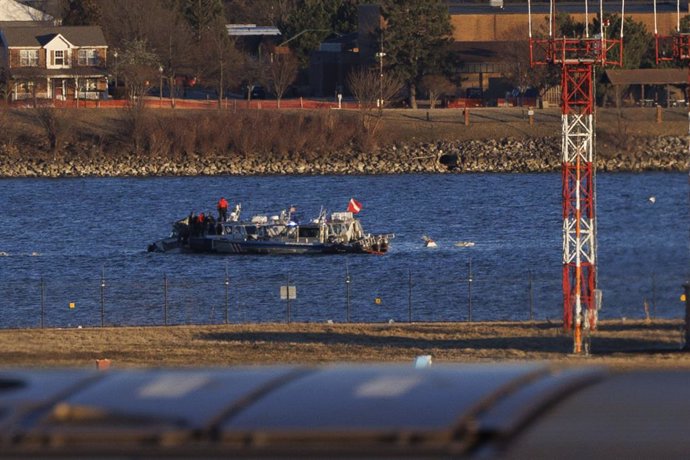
(167, 103)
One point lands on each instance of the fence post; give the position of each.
(287, 290)
(348, 280)
(469, 290)
(687, 316)
(103, 297)
(654, 295)
(227, 295)
(409, 295)
(531, 297)
(165, 299)
(43, 302)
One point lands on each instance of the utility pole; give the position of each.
(160, 89)
(380, 55)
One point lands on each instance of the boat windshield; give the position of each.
(309, 232)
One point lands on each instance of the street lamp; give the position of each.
(160, 88)
(380, 56)
(115, 88)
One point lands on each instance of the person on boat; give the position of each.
(191, 221)
(222, 209)
(200, 223)
(210, 225)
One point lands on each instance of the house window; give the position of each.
(59, 57)
(28, 58)
(90, 84)
(88, 57)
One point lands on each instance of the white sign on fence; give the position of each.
(286, 291)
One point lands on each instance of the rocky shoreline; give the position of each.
(496, 155)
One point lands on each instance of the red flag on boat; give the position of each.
(354, 206)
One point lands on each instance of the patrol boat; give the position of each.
(337, 233)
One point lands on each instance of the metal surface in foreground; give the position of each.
(520, 410)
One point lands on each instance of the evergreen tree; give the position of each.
(415, 37)
(311, 21)
(638, 43)
(201, 14)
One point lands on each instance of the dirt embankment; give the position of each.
(619, 344)
(155, 142)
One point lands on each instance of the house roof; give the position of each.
(38, 36)
(647, 76)
(11, 10)
(487, 51)
(251, 29)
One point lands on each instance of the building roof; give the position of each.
(647, 76)
(251, 30)
(663, 6)
(38, 36)
(485, 51)
(11, 10)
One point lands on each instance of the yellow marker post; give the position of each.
(682, 297)
(72, 305)
(377, 300)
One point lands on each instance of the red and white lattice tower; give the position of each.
(577, 58)
(676, 48)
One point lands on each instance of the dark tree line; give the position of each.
(188, 37)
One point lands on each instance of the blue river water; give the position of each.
(73, 251)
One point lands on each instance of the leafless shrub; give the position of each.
(9, 132)
(134, 125)
(55, 124)
(159, 139)
(437, 86)
(265, 134)
(619, 138)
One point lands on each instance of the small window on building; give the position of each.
(90, 84)
(59, 57)
(88, 57)
(28, 58)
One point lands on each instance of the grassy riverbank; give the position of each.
(157, 131)
(619, 344)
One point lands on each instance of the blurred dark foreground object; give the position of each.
(526, 410)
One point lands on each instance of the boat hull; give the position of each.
(227, 246)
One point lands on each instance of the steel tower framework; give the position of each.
(577, 58)
(676, 48)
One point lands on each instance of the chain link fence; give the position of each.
(255, 297)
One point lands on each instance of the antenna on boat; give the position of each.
(578, 57)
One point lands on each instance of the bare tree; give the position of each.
(283, 72)
(254, 70)
(520, 72)
(373, 92)
(138, 66)
(220, 59)
(437, 86)
(372, 89)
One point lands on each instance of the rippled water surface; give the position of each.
(61, 236)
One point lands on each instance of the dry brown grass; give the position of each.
(619, 344)
(284, 132)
